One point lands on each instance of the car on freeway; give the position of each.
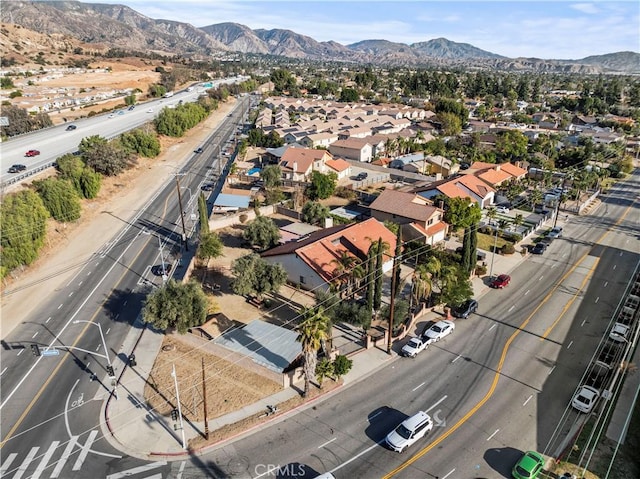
(501, 281)
(440, 330)
(409, 431)
(121, 112)
(131, 107)
(585, 399)
(413, 347)
(555, 232)
(112, 115)
(502, 209)
(528, 466)
(17, 168)
(198, 150)
(71, 127)
(619, 332)
(465, 309)
(150, 110)
(539, 248)
(31, 153)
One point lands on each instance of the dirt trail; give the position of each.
(68, 247)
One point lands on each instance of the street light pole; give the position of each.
(493, 255)
(164, 271)
(112, 375)
(175, 382)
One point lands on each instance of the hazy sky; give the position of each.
(555, 29)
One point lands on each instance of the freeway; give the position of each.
(50, 409)
(500, 385)
(57, 141)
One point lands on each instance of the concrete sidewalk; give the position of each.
(132, 427)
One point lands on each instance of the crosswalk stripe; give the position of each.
(85, 450)
(65, 455)
(27, 460)
(155, 476)
(7, 463)
(45, 460)
(136, 470)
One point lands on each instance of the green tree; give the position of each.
(341, 366)
(90, 143)
(349, 95)
(6, 83)
(176, 305)
(377, 295)
(451, 123)
(85, 180)
(511, 145)
(283, 81)
(204, 214)
(254, 276)
(271, 175)
(109, 160)
(262, 232)
(60, 198)
(314, 213)
(322, 186)
(324, 369)
(457, 287)
(23, 217)
(140, 142)
(312, 332)
(210, 246)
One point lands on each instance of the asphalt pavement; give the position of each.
(134, 428)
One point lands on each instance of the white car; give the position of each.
(438, 331)
(585, 399)
(409, 431)
(555, 232)
(413, 347)
(619, 332)
(150, 110)
(502, 209)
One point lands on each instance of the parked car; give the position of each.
(71, 127)
(159, 269)
(465, 309)
(501, 281)
(440, 330)
(529, 466)
(539, 248)
(361, 176)
(207, 187)
(413, 347)
(585, 399)
(502, 209)
(409, 431)
(619, 332)
(31, 153)
(555, 232)
(599, 373)
(17, 168)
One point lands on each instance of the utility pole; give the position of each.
(204, 394)
(175, 382)
(564, 181)
(184, 229)
(391, 305)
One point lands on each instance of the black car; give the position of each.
(207, 187)
(131, 107)
(17, 168)
(539, 248)
(465, 309)
(198, 150)
(158, 270)
(71, 127)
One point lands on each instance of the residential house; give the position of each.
(496, 174)
(319, 140)
(442, 166)
(298, 163)
(340, 167)
(416, 215)
(313, 263)
(462, 186)
(352, 149)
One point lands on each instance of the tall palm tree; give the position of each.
(518, 220)
(312, 333)
(491, 214)
(344, 265)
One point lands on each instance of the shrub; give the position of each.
(507, 248)
(481, 270)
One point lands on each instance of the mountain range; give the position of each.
(118, 26)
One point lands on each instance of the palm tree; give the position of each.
(491, 214)
(312, 333)
(344, 264)
(518, 220)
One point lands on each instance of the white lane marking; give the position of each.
(98, 347)
(70, 294)
(457, 357)
(439, 401)
(85, 450)
(554, 264)
(614, 266)
(45, 459)
(80, 283)
(551, 370)
(569, 344)
(108, 331)
(60, 306)
(418, 386)
(597, 299)
(377, 444)
(27, 460)
(528, 399)
(606, 283)
(48, 319)
(620, 253)
(3, 371)
(155, 476)
(90, 272)
(125, 303)
(448, 473)
(179, 475)
(526, 292)
(583, 321)
(117, 316)
(65, 457)
(494, 433)
(327, 443)
(494, 325)
(20, 352)
(35, 334)
(540, 279)
(511, 308)
(7, 463)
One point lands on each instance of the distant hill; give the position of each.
(118, 26)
